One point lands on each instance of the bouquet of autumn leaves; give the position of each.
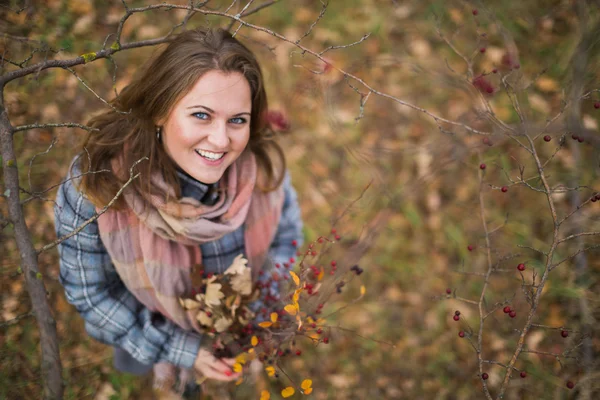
(224, 313)
(222, 304)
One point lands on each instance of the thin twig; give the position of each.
(97, 215)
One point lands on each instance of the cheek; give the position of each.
(241, 140)
(179, 134)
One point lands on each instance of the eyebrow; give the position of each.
(209, 110)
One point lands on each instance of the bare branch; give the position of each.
(13, 321)
(580, 251)
(578, 235)
(321, 14)
(95, 94)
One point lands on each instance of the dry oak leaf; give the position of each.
(213, 294)
(204, 319)
(222, 324)
(189, 304)
(287, 392)
(238, 266)
(242, 282)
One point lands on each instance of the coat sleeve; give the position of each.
(112, 314)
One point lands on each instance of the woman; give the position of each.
(212, 185)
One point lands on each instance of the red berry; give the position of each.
(574, 137)
(475, 11)
(490, 90)
(313, 253)
(482, 166)
(547, 138)
(326, 340)
(570, 385)
(333, 231)
(208, 314)
(337, 237)
(298, 352)
(320, 240)
(277, 265)
(292, 260)
(507, 309)
(521, 267)
(523, 374)
(456, 317)
(504, 189)
(482, 50)
(580, 140)
(319, 331)
(484, 376)
(313, 325)
(597, 105)
(294, 243)
(512, 314)
(333, 263)
(331, 272)
(564, 333)
(461, 334)
(448, 291)
(470, 247)
(495, 70)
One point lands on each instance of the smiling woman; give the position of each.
(213, 186)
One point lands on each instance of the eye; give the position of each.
(201, 115)
(238, 120)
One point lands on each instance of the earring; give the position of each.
(158, 130)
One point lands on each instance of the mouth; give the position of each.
(210, 155)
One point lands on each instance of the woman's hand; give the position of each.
(215, 368)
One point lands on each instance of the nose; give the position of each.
(218, 136)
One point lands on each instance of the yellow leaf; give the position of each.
(241, 358)
(254, 341)
(237, 367)
(290, 309)
(307, 383)
(265, 395)
(274, 317)
(321, 274)
(265, 324)
(239, 381)
(363, 290)
(308, 391)
(251, 351)
(295, 278)
(287, 392)
(270, 371)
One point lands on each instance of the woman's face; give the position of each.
(209, 127)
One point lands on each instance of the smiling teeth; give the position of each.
(209, 155)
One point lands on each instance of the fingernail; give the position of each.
(228, 373)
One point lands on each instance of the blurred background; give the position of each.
(411, 228)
